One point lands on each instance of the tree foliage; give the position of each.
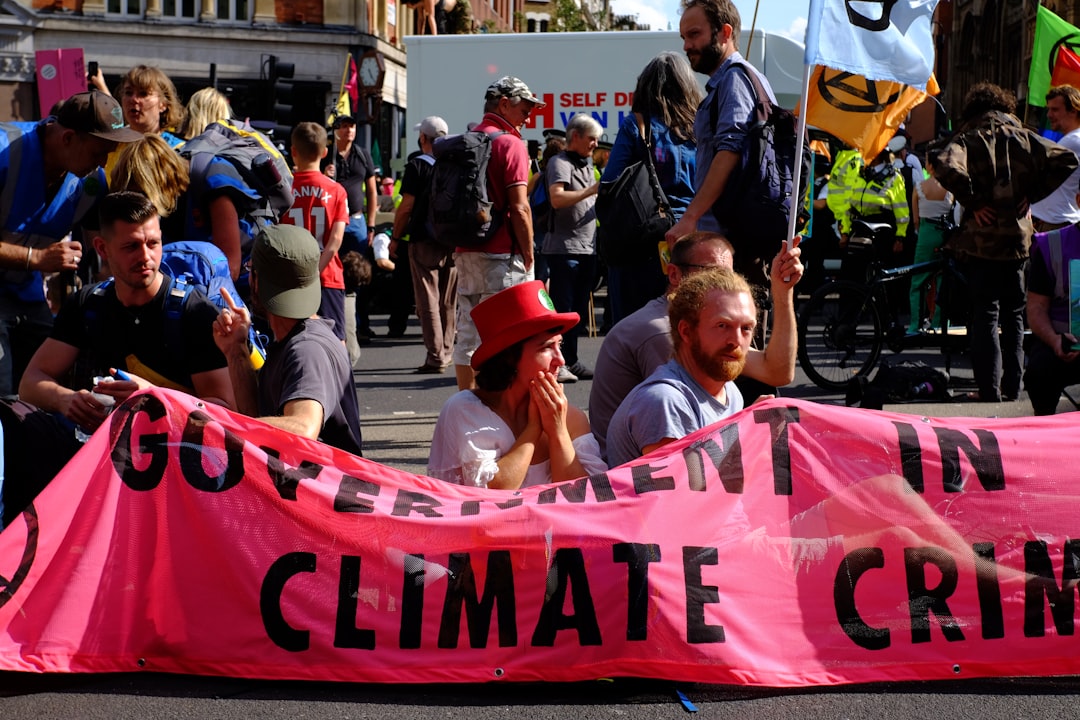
(568, 17)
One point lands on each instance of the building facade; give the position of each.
(991, 40)
(228, 42)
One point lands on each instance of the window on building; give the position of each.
(125, 7)
(236, 10)
(179, 9)
(189, 9)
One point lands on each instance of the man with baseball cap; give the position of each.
(50, 181)
(434, 276)
(306, 385)
(351, 165)
(506, 259)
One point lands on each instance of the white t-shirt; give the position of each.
(380, 245)
(1060, 205)
(470, 438)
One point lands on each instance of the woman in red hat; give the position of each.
(516, 428)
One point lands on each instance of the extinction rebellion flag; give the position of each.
(863, 113)
(1053, 57)
(877, 39)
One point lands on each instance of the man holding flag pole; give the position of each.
(351, 165)
(710, 33)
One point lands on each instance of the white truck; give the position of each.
(446, 75)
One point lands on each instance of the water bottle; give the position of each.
(266, 170)
(922, 390)
(107, 400)
(273, 184)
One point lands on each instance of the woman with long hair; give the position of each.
(665, 101)
(149, 166)
(205, 106)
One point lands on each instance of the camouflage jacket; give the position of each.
(994, 161)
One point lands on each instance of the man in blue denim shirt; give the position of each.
(710, 33)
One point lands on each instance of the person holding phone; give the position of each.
(109, 341)
(117, 328)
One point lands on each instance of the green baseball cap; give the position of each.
(286, 260)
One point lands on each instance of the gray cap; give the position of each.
(432, 126)
(285, 259)
(511, 87)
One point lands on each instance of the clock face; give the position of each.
(369, 70)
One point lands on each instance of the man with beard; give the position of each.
(713, 318)
(306, 385)
(710, 33)
(641, 342)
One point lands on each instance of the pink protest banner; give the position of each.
(798, 544)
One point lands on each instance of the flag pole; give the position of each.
(344, 79)
(333, 144)
(753, 24)
(800, 135)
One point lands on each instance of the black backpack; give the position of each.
(460, 207)
(758, 200)
(899, 381)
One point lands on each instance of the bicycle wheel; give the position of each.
(840, 334)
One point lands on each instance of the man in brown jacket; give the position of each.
(995, 167)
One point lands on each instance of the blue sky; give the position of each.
(787, 17)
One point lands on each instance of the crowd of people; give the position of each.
(103, 188)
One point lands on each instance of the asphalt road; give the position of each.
(398, 411)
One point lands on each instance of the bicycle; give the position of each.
(845, 325)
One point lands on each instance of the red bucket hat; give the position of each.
(514, 314)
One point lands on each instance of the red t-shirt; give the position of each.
(509, 166)
(318, 203)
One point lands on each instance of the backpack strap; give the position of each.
(509, 226)
(764, 105)
(644, 125)
(180, 289)
(92, 308)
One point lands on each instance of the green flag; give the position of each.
(1051, 32)
(376, 156)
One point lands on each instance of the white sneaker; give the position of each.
(565, 376)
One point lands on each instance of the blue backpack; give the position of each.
(191, 265)
(200, 265)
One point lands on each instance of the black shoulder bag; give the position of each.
(633, 211)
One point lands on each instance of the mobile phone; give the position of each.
(91, 69)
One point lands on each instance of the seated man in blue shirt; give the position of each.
(713, 318)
